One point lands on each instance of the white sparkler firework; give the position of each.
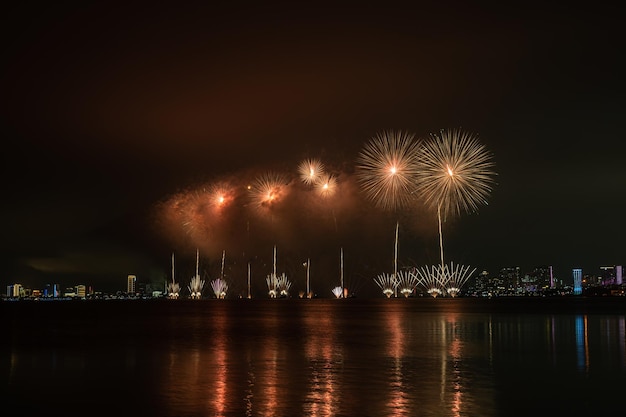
(278, 286)
(220, 288)
(337, 292)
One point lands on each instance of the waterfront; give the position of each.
(261, 357)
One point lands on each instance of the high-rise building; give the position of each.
(618, 274)
(81, 291)
(132, 281)
(577, 274)
(510, 278)
(608, 275)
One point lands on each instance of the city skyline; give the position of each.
(111, 113)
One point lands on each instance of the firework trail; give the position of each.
(173, 288)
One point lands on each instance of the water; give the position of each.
(348, 357)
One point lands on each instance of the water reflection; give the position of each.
(327, 358)
(324, 357)
(582, 343)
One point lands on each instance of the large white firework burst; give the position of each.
(387, 168)
(455, 172)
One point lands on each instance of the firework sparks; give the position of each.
(431, 280)
(456, 277)
(455, 172)
(220, 287)
(337, 292)
(407, 281)
(387, 169)
(268, 189)
(195, 287)
(278, 286)
(326, 186)
(387, 283)
(220, 195)
(311, 170)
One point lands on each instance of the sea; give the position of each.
(561, 356)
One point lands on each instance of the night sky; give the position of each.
(111, 112)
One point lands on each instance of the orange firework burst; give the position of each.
(326, 186)
(268, 189)
(220, 195)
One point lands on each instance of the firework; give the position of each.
(431, 280)
(173, 288)
(337, 292)
(268, 189)
(326, 186)
(455, 172)
(220, 287)
(220, 195)
(197, 284)
(456, 277)
(387, 283)
(195, 287)
(278, 286)
(311, 170)
(407, 281)
(387, 169)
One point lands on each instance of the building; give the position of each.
(81, 291)
(577, 274)
(132, 282)
(510, 278)
(15, 291)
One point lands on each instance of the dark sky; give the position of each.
(110, 111)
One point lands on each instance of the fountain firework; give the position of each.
(406, 282)
(337, 292)
(431, 280)
(456, 277)
(220, 287)
(387, 283)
